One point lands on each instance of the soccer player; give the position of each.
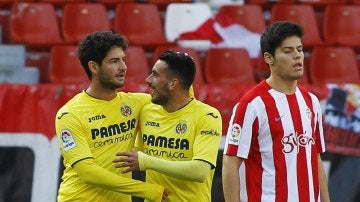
(96, 123)
(276, 130)
(180, 136)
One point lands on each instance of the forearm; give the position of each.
(95, 175)
(324, 191)
(183, 170)
(231, 178)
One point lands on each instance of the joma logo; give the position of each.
(151, 123)
(97, 117)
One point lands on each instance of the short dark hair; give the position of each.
(180, 65)
(275, 34)
(96, 46)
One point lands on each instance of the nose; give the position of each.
(148, 79)
(298, 54)
(122, 65)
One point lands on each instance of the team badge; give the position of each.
(126, 110)
(181, 128)
(67, 139)
(234, 134)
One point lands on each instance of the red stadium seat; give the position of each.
(81, 19)
(249, 16)
(199, 79)
(112, 3)
(333, 65)
(305, 16)
(140, 23)
(228, 66)
(266, 4)
(323, 3)
(137, 65)
(61, 2)
(34, 24)
(65, 67)
(342, 25)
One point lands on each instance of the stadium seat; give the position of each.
(323, 3)
(141, 24)
(228, 66)
(341, 25)
(216, 4)
(61, 2)
(137, 65)
(248, 15)
(186, 17)
(303, 15)
(112, 3)
(12, 55)
(162, 4)
(199, 79)
(81, 19)
(333, 65)
(266, 4)
(35, 25)
(19, 75)
(65, 67)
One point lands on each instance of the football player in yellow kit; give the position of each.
(97, 123)
(179, 135)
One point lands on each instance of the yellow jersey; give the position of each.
(91, 128)
(192, 132)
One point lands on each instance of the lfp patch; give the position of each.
(67, 139)
(234, 134)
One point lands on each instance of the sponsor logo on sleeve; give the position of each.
(234, 134)
(67, 140)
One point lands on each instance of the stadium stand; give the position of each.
(323, 3)
(81, 19)
(141, 24)
(250, 16)
(34, 24)
(62, 2)
(20, 75)
(181, 18)
(12, 55)
(137, 65)
(333, 65)
(226, 66)
(303, 15)
(341, 25)
(65, 67)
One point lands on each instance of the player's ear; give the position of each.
(173, 84)
(269, 59)
(93, 66)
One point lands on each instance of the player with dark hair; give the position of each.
(276, 130)
(179, 135)
(97, 123)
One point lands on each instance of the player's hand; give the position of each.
(127, 160)
(165, 195)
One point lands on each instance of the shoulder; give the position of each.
(137, 98)
(204, 109)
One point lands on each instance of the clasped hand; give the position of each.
(127, 160)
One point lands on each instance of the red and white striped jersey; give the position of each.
(279, 136)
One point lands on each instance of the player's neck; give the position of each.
(100, 93)
(283, 86)
(177, 104)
